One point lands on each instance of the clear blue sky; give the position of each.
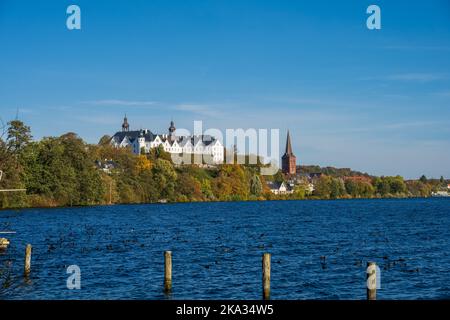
(377, 101)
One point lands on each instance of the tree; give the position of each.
(207, 189)
(382, 186)
(256, 186)
(159, 153)
(19, 135)
(322, 187)
(337, 188)
(423, 179)
(359, 188)
(62, 171)
(365, 189)
(11, 179)
(232, 183)
(351, 187)
(397, 185)
(188, 186)
(142, 163)
(417, 188)
(105, 140)
(300, 191)
(165, 178)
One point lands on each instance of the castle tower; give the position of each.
(288, 161)
(172, 132)
(141, 141)
(125, 125)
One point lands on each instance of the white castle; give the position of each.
(145, 140)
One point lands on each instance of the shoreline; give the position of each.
(211, 201)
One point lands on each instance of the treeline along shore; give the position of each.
(66, 171)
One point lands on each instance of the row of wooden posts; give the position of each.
(371, 276)
(371, 290)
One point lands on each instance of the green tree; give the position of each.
(337, 188)
(423, 179)
(165, 177)
(300, 191)
(256, 187)
(359, 188)
(382, 186)
(19, 135)
(351, 188)
(62, 170)
(207, 189)
(322, 187)
(105, 140)
(11, 179)
(365, 189)
(397, 185)
(159, 153)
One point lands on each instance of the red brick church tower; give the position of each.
(288, 161)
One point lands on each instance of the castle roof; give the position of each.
(133, 135)
(170, 138)
(119, 136)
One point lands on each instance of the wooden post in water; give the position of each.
(371, 281)
(266, 275)
(27, 268)
(167, 271)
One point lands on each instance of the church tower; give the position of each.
(288, 161)
(125, 125)
(172, 131)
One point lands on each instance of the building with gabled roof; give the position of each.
(146, 140)
(279, 188)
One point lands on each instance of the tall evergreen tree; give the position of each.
(19, 135)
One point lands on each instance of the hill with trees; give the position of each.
(66, 171)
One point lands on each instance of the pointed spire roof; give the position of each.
(288, 145)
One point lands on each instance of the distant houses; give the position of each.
(442, 193)
(289, 169)
(106, 166)
(291, 175)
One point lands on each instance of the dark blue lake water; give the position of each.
(217, 249)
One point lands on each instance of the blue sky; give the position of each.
(376, 101)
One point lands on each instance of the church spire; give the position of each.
(289, 161)
(288, 145)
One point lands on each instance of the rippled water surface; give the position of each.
(319, 249)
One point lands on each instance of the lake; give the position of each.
(319, 249)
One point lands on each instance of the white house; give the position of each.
(279, 188)
(145, 140)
